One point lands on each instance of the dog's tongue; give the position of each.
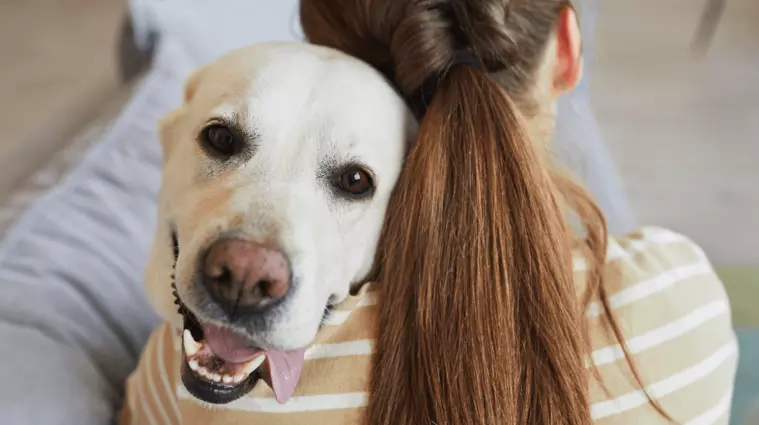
(284, 366)
(229, 345)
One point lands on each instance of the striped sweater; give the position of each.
(672, 308)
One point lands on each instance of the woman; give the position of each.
(481, 317)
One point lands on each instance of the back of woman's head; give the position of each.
(479, 322)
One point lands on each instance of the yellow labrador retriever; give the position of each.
(277, 173)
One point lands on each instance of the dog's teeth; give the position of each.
(202, 371)
(193, 364)
(253, 364)
(238, 378)
(216, 377)
(226, 379)
(191, 347)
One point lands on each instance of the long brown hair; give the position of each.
(480, 322)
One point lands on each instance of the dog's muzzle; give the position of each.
(245, 277)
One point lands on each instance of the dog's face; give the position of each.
(277, 173)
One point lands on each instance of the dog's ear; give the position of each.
(192, 84)
(168, 125)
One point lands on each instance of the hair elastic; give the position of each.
(419, 100)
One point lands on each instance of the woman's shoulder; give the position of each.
(676, 320)
(657, 278)
(653, 260)
(651, 257)
(653, 241)
(655, 251)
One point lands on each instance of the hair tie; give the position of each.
(466, 57)
(419, 100)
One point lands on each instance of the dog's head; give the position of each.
(277, 173)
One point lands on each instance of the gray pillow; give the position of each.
(73, 318)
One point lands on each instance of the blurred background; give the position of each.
(682, 125)
(675, 90)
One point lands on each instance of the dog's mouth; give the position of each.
(219, 365)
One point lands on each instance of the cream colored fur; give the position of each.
(308, 107)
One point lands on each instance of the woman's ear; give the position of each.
(568, 63)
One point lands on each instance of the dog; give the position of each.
(277, 172)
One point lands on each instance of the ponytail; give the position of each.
(479, 320)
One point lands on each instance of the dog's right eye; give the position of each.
(221, 141)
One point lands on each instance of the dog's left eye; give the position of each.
(356, 182)
(220, 140)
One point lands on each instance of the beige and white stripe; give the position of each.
(671, 305)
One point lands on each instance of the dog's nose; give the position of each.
(245, 276)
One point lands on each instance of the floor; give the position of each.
(57, 69)
(55, 53)
(684, 130)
